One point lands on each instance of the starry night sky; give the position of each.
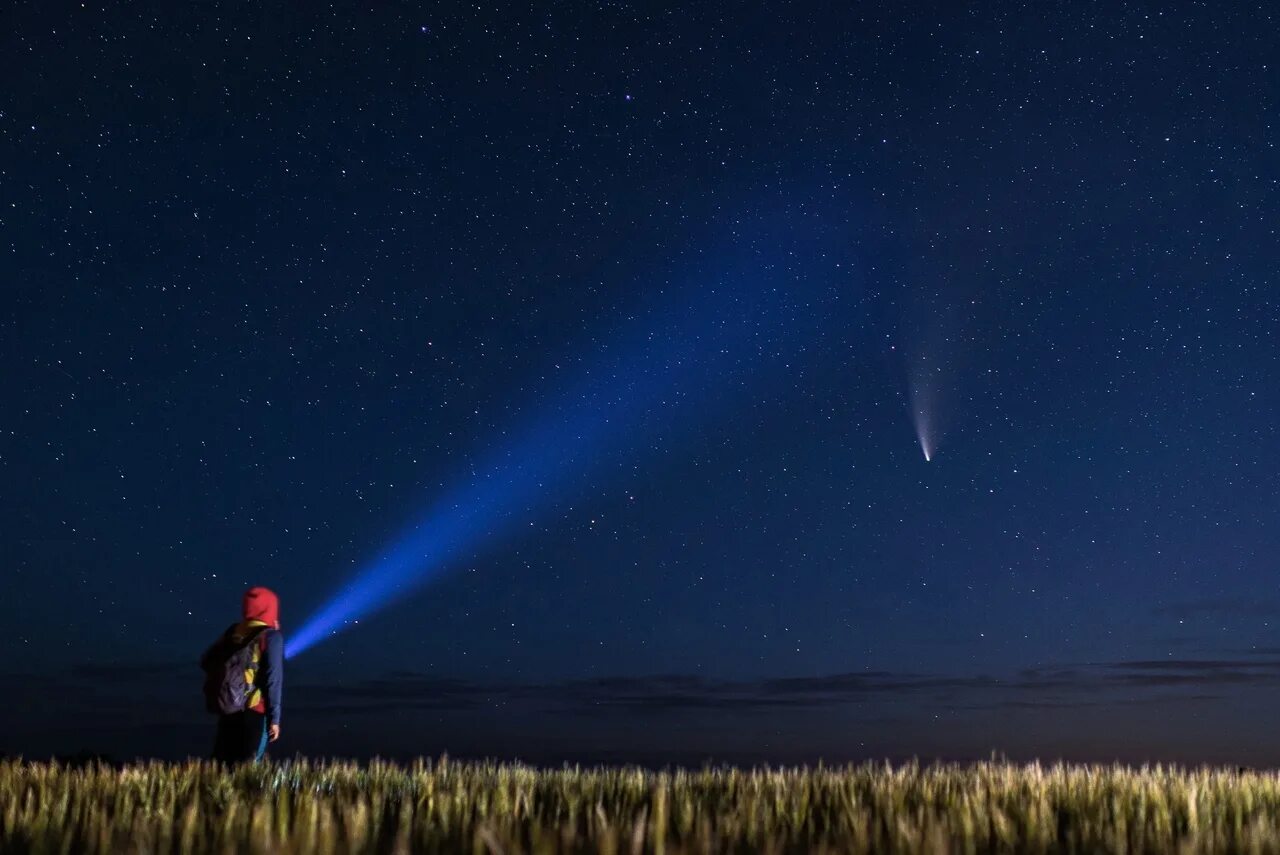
(277, 279)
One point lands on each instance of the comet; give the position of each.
(922, 419)
(923, 436)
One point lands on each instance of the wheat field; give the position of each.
(446, 806)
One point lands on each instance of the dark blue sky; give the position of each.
(279, 281)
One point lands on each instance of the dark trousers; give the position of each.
(241, 737)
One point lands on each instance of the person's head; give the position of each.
(262, 604)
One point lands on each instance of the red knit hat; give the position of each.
(262, 604)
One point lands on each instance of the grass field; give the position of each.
(443, 806)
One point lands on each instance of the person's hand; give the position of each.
(273, 733)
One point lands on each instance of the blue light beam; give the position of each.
(661, 373)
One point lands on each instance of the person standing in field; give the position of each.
(244, 680)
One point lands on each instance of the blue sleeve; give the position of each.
(273, 675)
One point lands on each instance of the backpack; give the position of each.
(225, 689)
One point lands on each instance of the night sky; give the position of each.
(656, 312)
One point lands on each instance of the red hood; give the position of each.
(262, 604)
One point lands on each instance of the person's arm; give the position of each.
(273, 679)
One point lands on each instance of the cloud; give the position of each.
(116, 687)
(1061, 687)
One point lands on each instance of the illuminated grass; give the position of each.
(303, 807)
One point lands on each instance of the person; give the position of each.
(246, 664)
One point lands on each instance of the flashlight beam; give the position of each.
(657, 375)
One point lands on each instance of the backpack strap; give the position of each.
(259, 634)
(229, 645)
